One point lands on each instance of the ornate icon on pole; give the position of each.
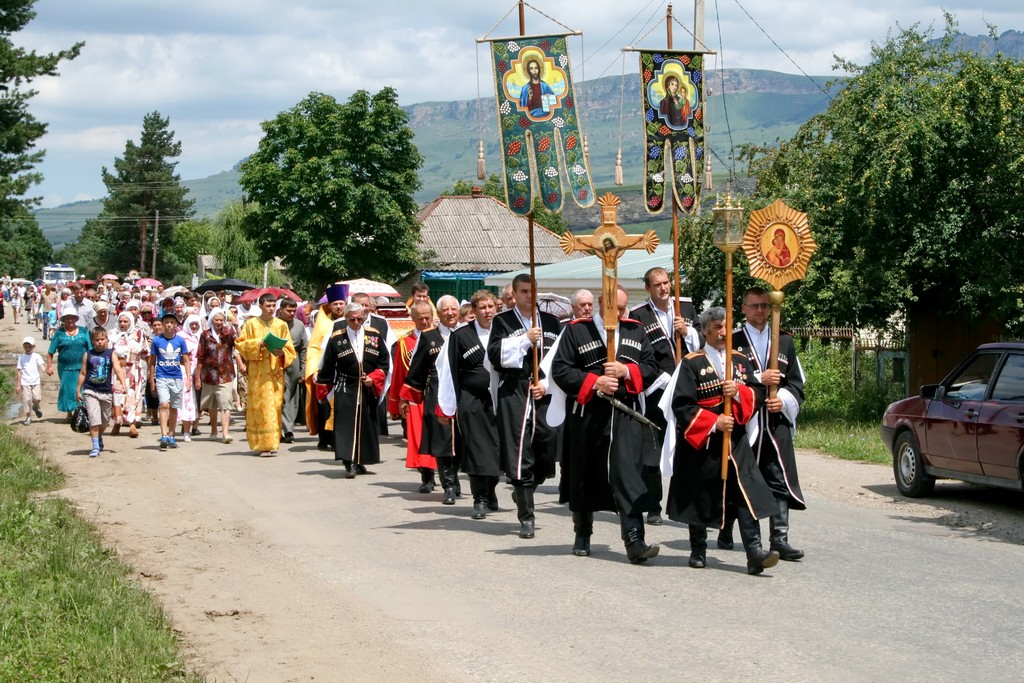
(778, 244)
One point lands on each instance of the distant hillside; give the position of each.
(762, 106)
(1009, 43)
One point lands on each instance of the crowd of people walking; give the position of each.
(488, 388)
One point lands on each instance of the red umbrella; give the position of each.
(148, 282)
(109, 276)
(254, 294)
(87, 283)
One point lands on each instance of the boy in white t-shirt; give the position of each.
(30, 365)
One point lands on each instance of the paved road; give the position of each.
(281, 569)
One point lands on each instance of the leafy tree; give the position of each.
(333, 188)
(493, 187)
(19, 130)
(190, 239)
(25, 250)
(142, 184)
(913, 179)
(239, 254)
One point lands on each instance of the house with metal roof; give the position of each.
(465, 239)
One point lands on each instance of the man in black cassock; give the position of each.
(437, 439)
(602, 465)
(776, 419)
(466, 381)
(527, 442)
(694, 409)
(663, 327)
(355, 363)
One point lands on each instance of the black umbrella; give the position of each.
(225, 283)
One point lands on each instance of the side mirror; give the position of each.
(932, 391)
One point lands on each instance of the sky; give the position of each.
(219, 68)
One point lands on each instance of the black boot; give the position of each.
(778, 525)
(350, 470)
(446, 473)
(583, 525)
(492, 494)
(725, 541)
(758, 559)
(652, 478)
(427, 484)
(637, 550)
(698, 546)
(478, 486)
(524, 507)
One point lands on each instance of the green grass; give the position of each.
(68, 609)
(846, 440)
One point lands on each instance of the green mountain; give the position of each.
(744, 106)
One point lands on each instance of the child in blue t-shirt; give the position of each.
(95, 386)
(167, 356)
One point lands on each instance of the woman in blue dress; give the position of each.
(69, 343)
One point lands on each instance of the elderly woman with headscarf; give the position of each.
(189, 414)
(128, 342)
(215, 372)
(69, 344)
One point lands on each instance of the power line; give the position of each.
(779, 47)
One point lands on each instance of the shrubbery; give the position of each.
(830, 392)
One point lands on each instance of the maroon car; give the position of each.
(970, 426)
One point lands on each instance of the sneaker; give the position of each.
(171, 443)
(187, 438)
(196, 431)
(163, 443)
(268, 454)
(27, 421)
(228, 438)
(94, 453)
(39, 413)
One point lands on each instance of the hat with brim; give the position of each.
(68, 312)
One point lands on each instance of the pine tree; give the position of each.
(142, 187)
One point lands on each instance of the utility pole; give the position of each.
(156, 242)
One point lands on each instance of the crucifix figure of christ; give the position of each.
(609, 241)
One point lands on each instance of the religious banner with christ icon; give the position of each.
(672, 90)
(542, 147)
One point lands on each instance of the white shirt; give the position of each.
(356, 339)
(29, 364)
(760, 340)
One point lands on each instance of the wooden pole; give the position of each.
(675, 223)
(156, 242)
(776, 299)
(727, 408)
(534, 321)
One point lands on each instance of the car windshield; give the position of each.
(1010, 383)
(971, 384)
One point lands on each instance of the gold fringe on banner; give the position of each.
(618, 167)
(481, 164)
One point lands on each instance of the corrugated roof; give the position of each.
(481, 234)
(585, 273)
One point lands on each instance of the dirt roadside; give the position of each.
(281, 570)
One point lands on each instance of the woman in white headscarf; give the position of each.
(188, 414)
(128, 342)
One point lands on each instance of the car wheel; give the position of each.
(908, 468)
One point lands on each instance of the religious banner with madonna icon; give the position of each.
(672, 90)
(539, 124)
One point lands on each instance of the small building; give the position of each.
(467, 238)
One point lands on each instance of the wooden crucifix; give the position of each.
(608, 242)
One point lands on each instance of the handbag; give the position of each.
(80, 419)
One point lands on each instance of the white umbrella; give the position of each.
(555, 304)
(370, 287)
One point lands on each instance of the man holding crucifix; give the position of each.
(603, 465)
